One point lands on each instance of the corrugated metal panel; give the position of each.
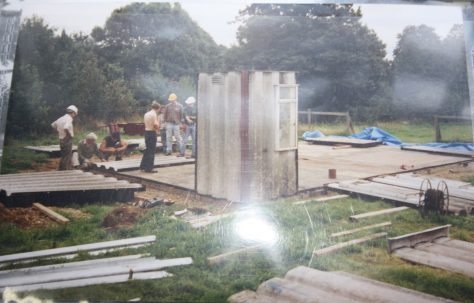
(433, 247)
(237, 157)
(134, 163)
(304, 284)
(63, 186)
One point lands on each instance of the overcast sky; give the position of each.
(216, 16)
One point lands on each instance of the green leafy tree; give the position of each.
(340, 62)
(428, 73)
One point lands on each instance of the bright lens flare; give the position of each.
(256, 230)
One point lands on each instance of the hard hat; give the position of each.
(72, 108)
(91, 136)
(190, 100)
(172, 97)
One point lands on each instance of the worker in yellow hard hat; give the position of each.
(173, 117)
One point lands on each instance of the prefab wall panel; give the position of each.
(238, 158)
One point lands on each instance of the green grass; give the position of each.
(469, 179)
(407, 132)
(300, 230)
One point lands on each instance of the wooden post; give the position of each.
(350, 127)
(437, 129)
(309, 116)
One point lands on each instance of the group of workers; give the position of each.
(164, 121)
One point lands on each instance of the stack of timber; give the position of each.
(433, 247)
(134, 163)
(84, 273)
(60, 187)
(360, 143)
(405, 189)
(304, 284)
(72, 251)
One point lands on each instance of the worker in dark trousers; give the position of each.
(65, 131)
(152, 130)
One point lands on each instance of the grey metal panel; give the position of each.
(58, 181)
(139, 265)
(304, 284)
(232, 161)
(203, 171)
(69, 265)
(77, 248)
(91, 281)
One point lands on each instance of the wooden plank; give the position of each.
(341, 245)
(78, 248)
(225, 256)
(447, 251)
(91, 281)
(99, 271)
(324, 199)
(378, 213)
(351, 231)
(50, 213)
(410, 240)
(435, 260)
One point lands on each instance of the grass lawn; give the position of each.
(291, 233)
(408, 132)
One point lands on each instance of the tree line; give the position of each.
(145, 51)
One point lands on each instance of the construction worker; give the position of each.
(86, 149)
(65, 130)
(161, 118)
(152, 130)
(173, 118)
(190, 123)
(113, 145)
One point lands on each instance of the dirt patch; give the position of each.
(124, 216)
(459, 172)
(25, 217)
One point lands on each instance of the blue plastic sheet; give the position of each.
(370, 133)
(453, 146)
(377, 134)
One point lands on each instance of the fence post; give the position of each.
(437, 129)
(350, 127)
(309, 116)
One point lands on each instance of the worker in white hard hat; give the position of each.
(86, 149)
(190, 115)
(173, 117)
(65, 130)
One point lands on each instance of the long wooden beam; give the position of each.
(51, 213)
(351, 231)
(410, 240)
(378, 213)
(341, 245)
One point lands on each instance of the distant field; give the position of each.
(409, 132)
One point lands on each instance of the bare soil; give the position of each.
(25, 217)
(123, 216)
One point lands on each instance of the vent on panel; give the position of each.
(217, 80)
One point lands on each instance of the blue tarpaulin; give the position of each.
(377, 134)
(453, 145)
